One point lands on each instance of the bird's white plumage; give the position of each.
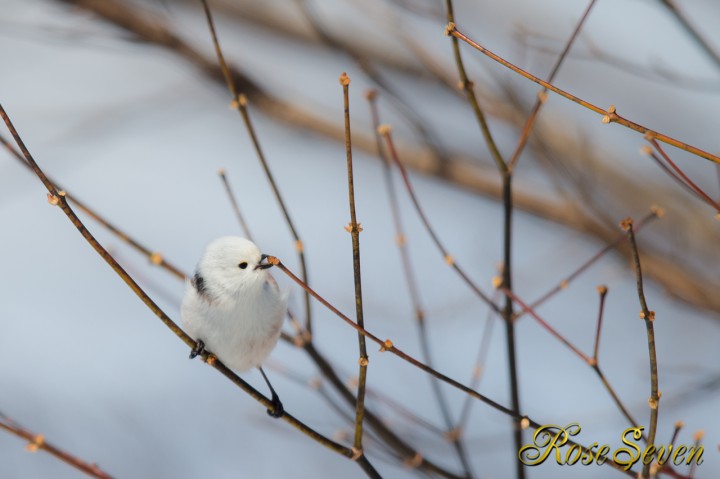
(237, 312)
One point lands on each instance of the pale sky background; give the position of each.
(140, 135)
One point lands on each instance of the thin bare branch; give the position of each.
(602, 291)
(508, 314)
(616, 399)
(468, 87)
(388, 346)
(694, 33)
(478, 369)
(384, 131)
(546, 325)
(38, 442)
(235, 206)
(354, 229)
(678, 278)
(609, 116)
(619, 239)
(354, 49)
(410, 280)
(300, 340)
(58, 199)
(649, 317)
(398, 443)
(542, 94)
(156, 258)
(681, 174)
(239, 102)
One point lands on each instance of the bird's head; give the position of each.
(232, 263)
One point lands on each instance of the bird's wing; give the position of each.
(198, 282)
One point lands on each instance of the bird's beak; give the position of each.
(262, 265)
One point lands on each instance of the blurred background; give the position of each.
(122, 103)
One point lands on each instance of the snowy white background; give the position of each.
(140, 135)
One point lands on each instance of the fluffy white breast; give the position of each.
(235, 308)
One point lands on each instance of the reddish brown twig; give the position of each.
(592, 362)
(58, 199)
(414, 293)
(38, 442)
(546, 325)
(683, 177)
(384, 131)
(609, 116)
(300, 340)
(387, 345)
(542, 94)
(154, 257)
(619, 239)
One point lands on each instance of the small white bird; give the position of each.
(234, 308)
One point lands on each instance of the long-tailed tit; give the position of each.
(234, 308)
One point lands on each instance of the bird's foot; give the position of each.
(198, 349)
(277, 407)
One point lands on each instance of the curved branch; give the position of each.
(58, 199)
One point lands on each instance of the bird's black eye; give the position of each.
(243, 265)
